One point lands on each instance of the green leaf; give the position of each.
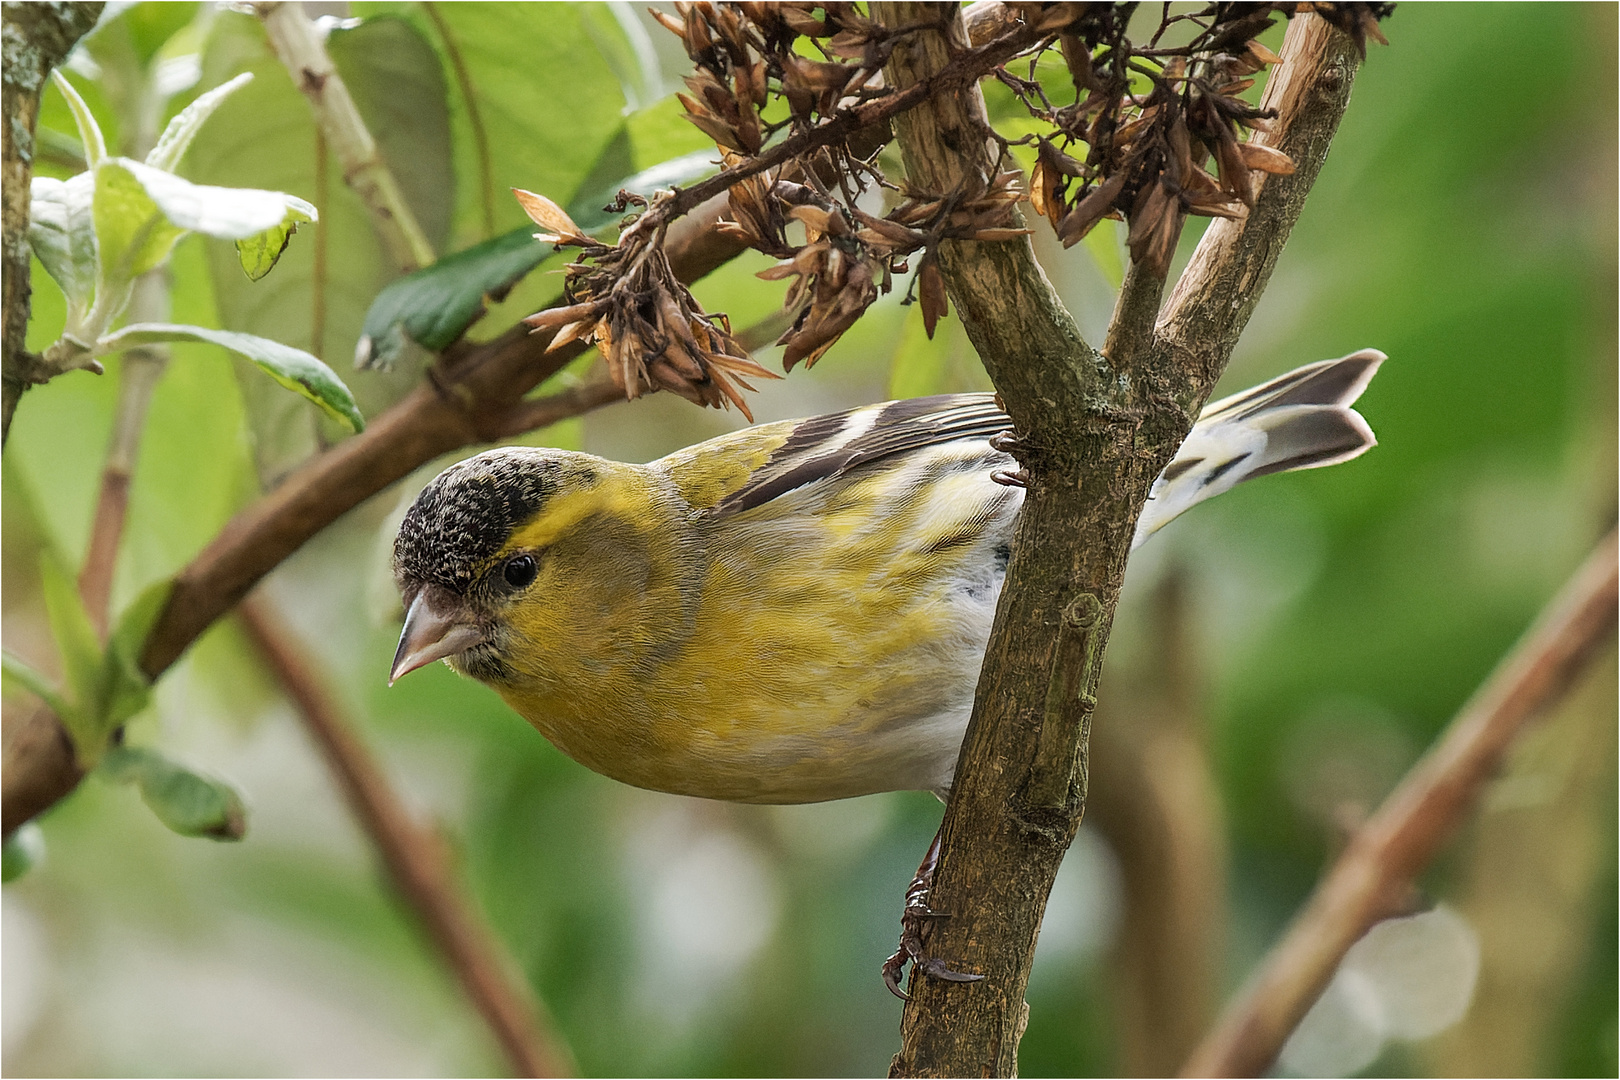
(259, 254)
(95, 147)
(176, 139)
(80, 650)
(132, 233)
(293, 368)
(188, 803)
(435, 305)
(62, 231)
(627, 49)
(16, 671)
(22, 851)
(520, 61)
(126, 690)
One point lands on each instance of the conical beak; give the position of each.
(439, 624)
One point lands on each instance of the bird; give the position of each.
(790, 613)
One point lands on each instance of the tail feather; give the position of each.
(1301, 420)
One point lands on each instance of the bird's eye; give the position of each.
(521, 570)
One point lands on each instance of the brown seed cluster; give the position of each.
(789, 93)
(748, 55)
(649, 329)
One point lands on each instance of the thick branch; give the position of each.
(37, 37)
(475, 398)
(1092, 444)
(1386, 854)
(302, 52)
(1020, 783)
(415, 857)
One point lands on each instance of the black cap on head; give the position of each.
(469, 511)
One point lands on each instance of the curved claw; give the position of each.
(893, 967)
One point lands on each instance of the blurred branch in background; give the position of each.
(1154, 797)
(1374, 876)
(1529, 887)
(416, 857)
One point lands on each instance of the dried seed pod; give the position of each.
(558, 316)
(1090, 210)
(1265, 159)
(560, 228)
(931, 293)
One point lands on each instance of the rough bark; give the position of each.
(1092, 436)
(37, 37)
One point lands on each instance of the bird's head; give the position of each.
(487, 557)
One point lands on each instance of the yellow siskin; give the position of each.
(790, 613)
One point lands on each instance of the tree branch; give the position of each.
(36, 38)
(1229, 270)
(1092, 444)
(1386, 854)
(415, 857)
(474, 397)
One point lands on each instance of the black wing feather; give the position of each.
(815, 450)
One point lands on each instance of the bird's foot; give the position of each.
(913, 922)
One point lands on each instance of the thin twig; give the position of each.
(137, 378)
(1386, 854)
(597, 390)
(304, 55)
(1229, 270)
(415, 857)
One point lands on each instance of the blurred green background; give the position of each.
(1282, 655)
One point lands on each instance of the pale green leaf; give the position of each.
(172, 146)
(62, 232)
(259, 254)
(126, 690)
(81, 654)
(293, 368)
(132, 233)
(188, 803)
(95, 147)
